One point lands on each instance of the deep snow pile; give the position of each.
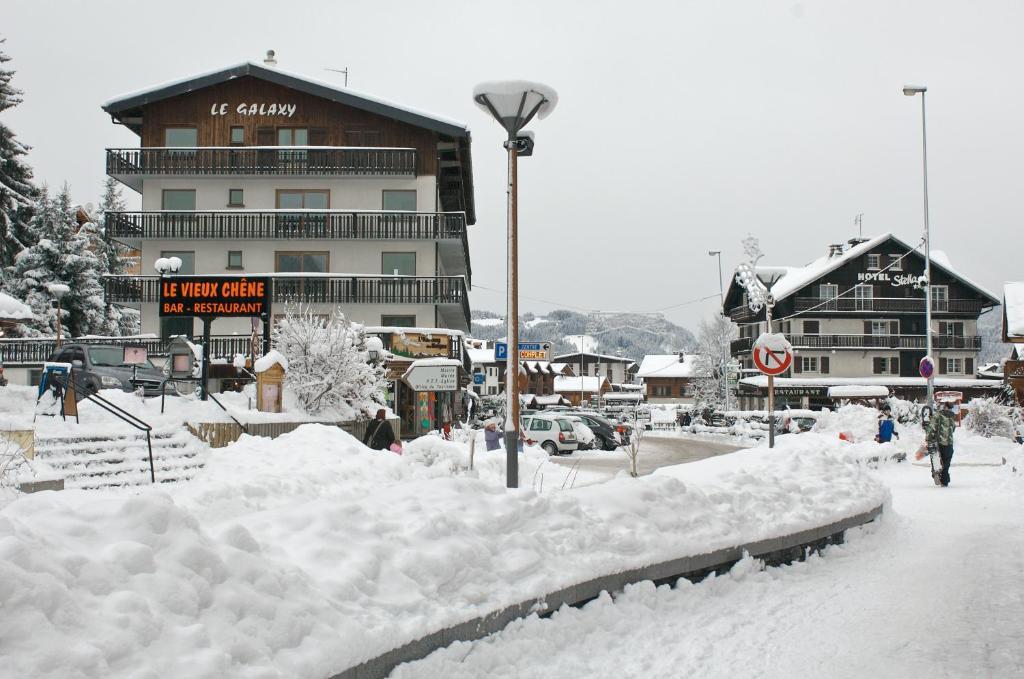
(304, 555)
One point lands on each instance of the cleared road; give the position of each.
(655, 451)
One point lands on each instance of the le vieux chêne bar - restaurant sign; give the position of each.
(213, 296)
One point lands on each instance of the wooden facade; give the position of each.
(656, 388)
(329, 123)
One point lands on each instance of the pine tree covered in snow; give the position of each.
(17, 193)
(712, 355)
(328, 363)
(60, 256)
(110, 258)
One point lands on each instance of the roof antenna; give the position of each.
(270, 60)
(859, 221)
(340, 70)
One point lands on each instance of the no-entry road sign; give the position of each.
(773, 354)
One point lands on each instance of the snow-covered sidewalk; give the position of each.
(935, 589)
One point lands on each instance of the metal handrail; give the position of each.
(115, 410)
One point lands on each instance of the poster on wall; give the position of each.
(419, 345)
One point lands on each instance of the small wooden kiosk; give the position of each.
(270, 370)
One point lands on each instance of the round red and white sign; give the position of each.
(773, 354)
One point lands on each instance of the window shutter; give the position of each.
(894, 365)
(265, 136)
(894, 327)
(867, 327)
(942, 366)
(877, 364)
(798, 364)
(824, 365)
(968, 366)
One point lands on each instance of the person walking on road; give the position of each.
(940, 434)
(379, 434)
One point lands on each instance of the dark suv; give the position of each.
(102, 366)
(606, 435)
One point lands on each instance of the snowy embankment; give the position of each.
(934, 590)
(307, 554)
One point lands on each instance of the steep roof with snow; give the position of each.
(668, 365)
(12, 309)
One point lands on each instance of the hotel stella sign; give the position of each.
(896, 281)
(214, 296)
(254, 109)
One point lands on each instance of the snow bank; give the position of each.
(310, 553)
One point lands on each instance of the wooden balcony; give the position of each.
(888, 305)
(30, 351)
(131, 165)
(867, 342)
(448, 229)
(445, 291)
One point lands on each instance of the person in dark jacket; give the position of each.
(379, 434)
(940, 434)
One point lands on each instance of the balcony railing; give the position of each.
(320, 289)
(262, 160)
(21, 351)
(270, 224)
(969, 342)
(911, 305)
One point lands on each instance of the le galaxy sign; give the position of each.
(257, 109)
(213, 296)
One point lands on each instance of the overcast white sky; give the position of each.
(681, 126)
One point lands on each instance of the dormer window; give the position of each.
(874, 262)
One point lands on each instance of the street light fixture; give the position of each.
(513, 104)
(910, 91)
(58, 290)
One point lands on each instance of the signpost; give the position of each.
(432, 377)
(209, 297)
(926, 367)
(772, 354)
(528, 351)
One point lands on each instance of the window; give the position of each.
(303, 199)
(301, 262)
(661, 391)
(951, 328)
(362, 137)
(399, 200)
(237, 136)
(234, 259)
(895, 263)
(812, 327)
(953, 366)
(940, 298)
(188, 260)
(808, 364)
(398, 263)
(181, 136)
(302, 223)
(880, 327)
(292, 136)
(874, 262)
(829, 291)
(863, 294)
(178, 199)
(537, 424)
(886, 365)
(410, 322)
(235, 198)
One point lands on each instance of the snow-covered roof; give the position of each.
(489, 321)
(591, 384)
(401, 330)
(1013, 308)
(628, 396)
(667, 365)
(480, 355)
(550, 400)
(314, 86)
(858, 391)
(786, 280)
(567, 358)
(12, 309)
(423, 362)
(269, 360)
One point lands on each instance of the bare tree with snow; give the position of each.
(710, 379)
(329, 369)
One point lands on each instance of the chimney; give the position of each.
(270, 60)
(835, 249)
(856, 241)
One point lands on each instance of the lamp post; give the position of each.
(910, 91)
(721, 303)
(758, 297)
(513, 104)
(58, 290)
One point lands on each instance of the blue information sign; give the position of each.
(500, 351)
(478, 378)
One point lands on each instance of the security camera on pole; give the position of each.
(772, 353)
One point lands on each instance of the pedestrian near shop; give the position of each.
(379, 434)
(940, 434)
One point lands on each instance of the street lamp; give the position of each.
(513, 104)
(910, 91)
(721, 304)
(167, 265)
(58, 290)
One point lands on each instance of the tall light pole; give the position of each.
(910, 91)
(58, 290)
(723, 362)
(513, 104)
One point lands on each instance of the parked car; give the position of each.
(102, 366)
(584, 434)
(554, 433)
(606, 433)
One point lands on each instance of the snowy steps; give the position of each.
(90, 461)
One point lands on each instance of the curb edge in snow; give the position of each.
(774, 551)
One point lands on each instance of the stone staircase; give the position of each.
(90, 461)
